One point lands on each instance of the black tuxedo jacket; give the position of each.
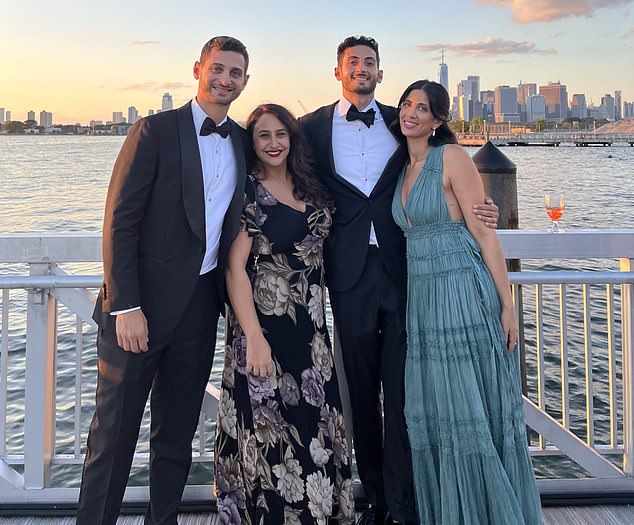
(154, 222)
(347, 246)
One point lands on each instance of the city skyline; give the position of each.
(93, 66)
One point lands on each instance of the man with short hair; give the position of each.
(172, 211)
(359, 160)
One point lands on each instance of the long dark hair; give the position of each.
(439, 106)
(306, 186)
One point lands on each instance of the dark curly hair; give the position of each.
(225, 43)
(439, 106)
(360, 40)
(306, 186)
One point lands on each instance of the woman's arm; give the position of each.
(259, 361)
(465, 187)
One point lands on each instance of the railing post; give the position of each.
(627, 334)
(39, 424)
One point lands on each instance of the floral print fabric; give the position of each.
(281, 450)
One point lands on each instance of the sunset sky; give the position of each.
(82, 60)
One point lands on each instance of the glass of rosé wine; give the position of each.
(555, 206)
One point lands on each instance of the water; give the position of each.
(59, 184)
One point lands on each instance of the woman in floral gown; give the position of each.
(281, 454)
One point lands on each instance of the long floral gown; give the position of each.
(281, 455)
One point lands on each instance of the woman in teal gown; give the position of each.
(463, 405)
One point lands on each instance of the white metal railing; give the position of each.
(550, 298)
(559, 135)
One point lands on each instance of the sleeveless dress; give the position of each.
(463, 403)
(281, 454)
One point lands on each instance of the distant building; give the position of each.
(117, 117)
(46, 119)
(167, 102)
(607, 101)
(535, 108)
(618, 104)
(628, 110)
(598, 112)
(133, 115)
(487, 99)
(30, 115)
(1, 115)
(150, 112)
(506, 104)
(578, 106)
(119, 128)
(556, 98)
(523, 92)
(94, 123)
(465, 108)
(443, 72)
(475, 87)
(7, 116)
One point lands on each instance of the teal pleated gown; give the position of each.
(463, 401)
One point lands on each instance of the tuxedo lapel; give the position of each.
(327, 127)
(238, 150)
(397, 160)
(191, 172)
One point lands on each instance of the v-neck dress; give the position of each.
(281, 454)
(463, 402)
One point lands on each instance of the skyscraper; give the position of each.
(46, 119)
(628, 110)
(475, 87)
(167, 102)
(443, 71)
(467, 101)
(578, 106)
(556, 101)
(133, 115)
(487, 99)
(618, 104)
(7, 116)
(535, 108)
(30, 115)
(506, 104)
(117, 117)
(523, 92)
(607, 101)
(1, 115)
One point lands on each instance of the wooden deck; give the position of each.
(591, 515)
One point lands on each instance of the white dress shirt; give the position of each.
(361, 153)
(219, 181)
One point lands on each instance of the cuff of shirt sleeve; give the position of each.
(118, 312)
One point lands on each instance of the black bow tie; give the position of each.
(367, 117)
(209, 127)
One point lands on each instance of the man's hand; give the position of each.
(132, 333)
(488, 212)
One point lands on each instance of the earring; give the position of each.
(433, 132)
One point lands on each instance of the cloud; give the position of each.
(629, 34)
(154, 86)
(527, 11)
(490, 47)
(145, 42)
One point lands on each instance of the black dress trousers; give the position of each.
(176, 372)
(370, 318)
